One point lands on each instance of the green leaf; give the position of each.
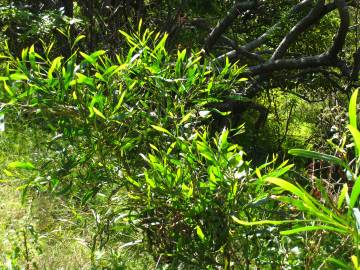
(356, 213)
(352, 109)
(132, 181)
(265, 222)
(356, 136)
(32, 56)
(98, 113)
(54, 65)
(315, 155)
(339, 263)
(355, 193)
(161, 44)
(161, 129)
(82, 79)
(200, 233)
(342, 195)
(303, 195)
(21, 165)
(313, 228)
(18, 77)
(205, 151)
(186, 118)
(171, 147)
(24, 54)
(92, 57)
(129, 38)
(77, 40)
(286, 186)
(223, 142)
(8, 89)
(280, 171)
(120, 102)
(355, 262)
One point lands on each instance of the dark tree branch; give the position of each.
(226, 22)
(300, 27)
(252, 45)
(354, 76)
(298, 63)
(328, 58)
(140, 9)
(340, 38)
(68, 8)
(264, 37)
(238, 52)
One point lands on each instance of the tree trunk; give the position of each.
(69, 8)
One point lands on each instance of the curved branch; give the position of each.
(340, 38)
(298, 63)
(300, 27)
(252, 45)
(226, 22)
(264, 37)
(328, 58)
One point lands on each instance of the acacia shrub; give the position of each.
(108, 114)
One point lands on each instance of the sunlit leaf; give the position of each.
(200, 233)
(313, 228)
(21, 165)
(355, 192)
(352, 109)
(18, 77)
(319, 156)
(77, 40)
(161, 129)
(342, 195)
(98, 113)
(356, 136)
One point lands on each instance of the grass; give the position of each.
(43, 231)
(31, 235)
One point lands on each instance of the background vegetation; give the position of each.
(179, 134)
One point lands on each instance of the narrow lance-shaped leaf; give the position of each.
(266, 222)
(200, 233)
(319, 156)
(99, 113)
(120, 102)
(77, 40)
(355, 193)
(303, 195)
(8, 89)
(161, 129)
(18, 77)
(21, 165)
(339, 263)
(356, 214)
(356, 136)
(342, 195)
(313, 228)
(352, 109)
(54, 65)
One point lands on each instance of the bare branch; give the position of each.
(339, 41)
(263, 38)
(300, 27)
(354, 76)
(298, 63)
(328, 58)
(226, 22)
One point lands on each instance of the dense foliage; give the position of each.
(162, 136)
